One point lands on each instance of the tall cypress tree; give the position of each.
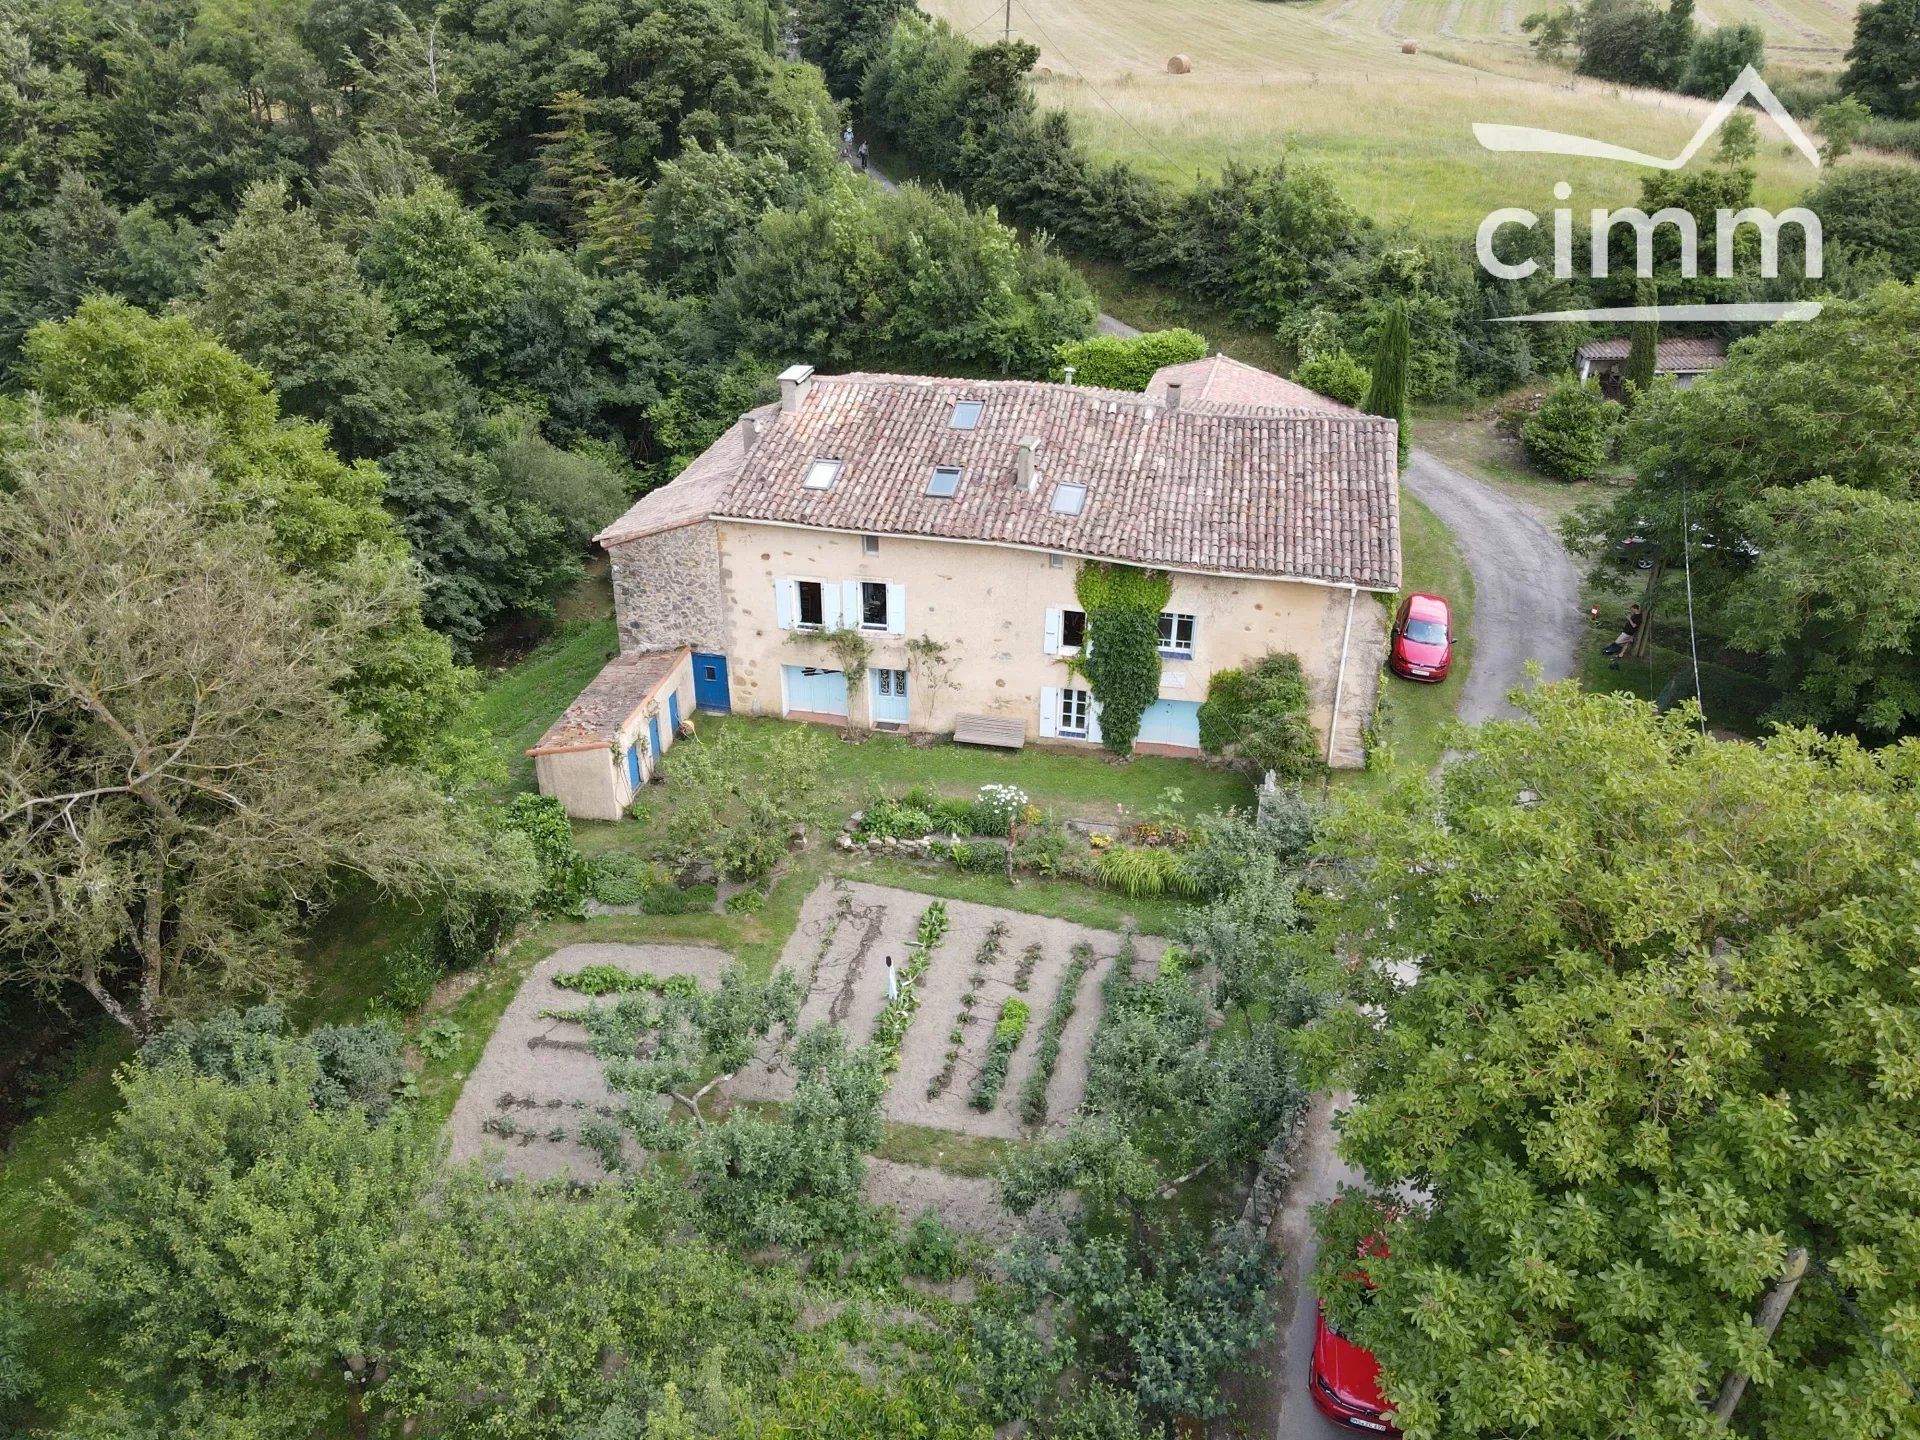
(1643, 357)
(1387, 395)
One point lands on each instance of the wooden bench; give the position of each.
(1000, 730)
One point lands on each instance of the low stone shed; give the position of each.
(599, 753)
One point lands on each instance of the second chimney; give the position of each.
(794, 382)
(1173, 395)
(749, 429)
(1023, 463)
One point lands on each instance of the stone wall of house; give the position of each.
(666, 590)
(986, 606)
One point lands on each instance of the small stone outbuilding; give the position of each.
(599, 753)
(1684, 358)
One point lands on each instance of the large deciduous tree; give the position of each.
(1662, 1032)
(1798, 573)
(180, 772)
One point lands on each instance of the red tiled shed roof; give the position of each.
(1687, 355)
(599, 712)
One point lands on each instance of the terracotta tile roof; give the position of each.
(692, 494)
(1680, 355)
(1295, 491)
(599, 712)
(1223, 381)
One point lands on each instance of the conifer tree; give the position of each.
(1387, 394)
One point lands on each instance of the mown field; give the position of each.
(1327, 80)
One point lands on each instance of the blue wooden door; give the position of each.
(889, 696)
(633, 766)
(673, 712)
(710, 690)
(653, 735)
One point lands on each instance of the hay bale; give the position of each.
(1179, 65)
(1409, 47)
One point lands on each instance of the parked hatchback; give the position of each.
(1344, 1377)
(1421, 647)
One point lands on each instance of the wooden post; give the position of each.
(1767, 1319)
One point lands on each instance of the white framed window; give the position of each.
(966, 414)
(1066, 632)
(945, 481)
(1057, 561)
(1176, 634)
(810, 604)
(821, 474)
(870, 544)
(1069, 499)
(873, 605)
(1075, 707)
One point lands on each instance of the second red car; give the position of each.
(1421, 644)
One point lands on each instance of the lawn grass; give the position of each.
(517, 705)
(1073, 782)
(1411, 727)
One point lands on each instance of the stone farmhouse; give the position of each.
(945, 520)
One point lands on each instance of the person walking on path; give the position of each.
(863, 155)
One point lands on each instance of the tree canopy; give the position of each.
(1661, 1034)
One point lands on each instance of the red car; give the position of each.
(1344, 1377)
(1345, 1381)
(1421, 644)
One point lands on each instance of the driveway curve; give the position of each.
(1526, 593)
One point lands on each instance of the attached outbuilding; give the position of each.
(604, 748)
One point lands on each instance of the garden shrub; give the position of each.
(357, 1064)
(885, 819)
(738, 798)
(952, 817)
(565, 879)
(1116, 362)
(490, 900)
(1572, 433)
(675, 900)
(930, 1249)
(1041, 849)
(980, 857)
(622, 879)
(1007, 1033)
(1121, 661)
(1335, 374)
(746, 902)
(1145, 872)
(996, 808)
(408, 975)
(1260, 715)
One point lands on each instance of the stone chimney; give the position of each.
(1023, 463)
(794, 383)
(1173, 395)
(1068, 372)
(749, 429)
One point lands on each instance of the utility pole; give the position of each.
(1006, 26)
(1767, 1319)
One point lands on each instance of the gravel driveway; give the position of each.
(1526, 593)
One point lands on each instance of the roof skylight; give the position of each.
(966, 414)
(1069, 499)
(821, 474)
(945, 481)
